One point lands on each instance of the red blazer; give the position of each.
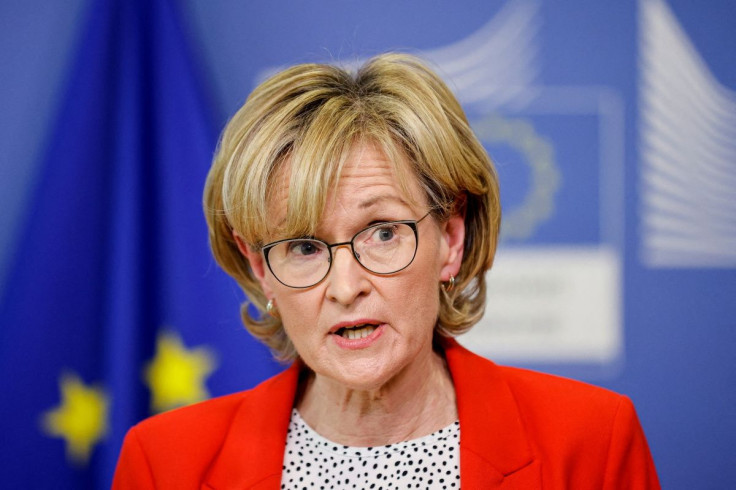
(518, 430)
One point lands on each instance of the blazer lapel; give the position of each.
(494, 448)
(253, 452)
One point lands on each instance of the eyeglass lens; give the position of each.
(383, 248)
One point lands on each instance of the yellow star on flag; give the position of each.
(176, 375)
(80, 419)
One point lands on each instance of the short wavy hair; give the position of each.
(312, 115)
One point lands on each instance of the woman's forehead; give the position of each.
(367, 175)
(368, 179)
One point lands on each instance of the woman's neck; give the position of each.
(416, 402)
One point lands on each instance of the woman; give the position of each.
(360, 214)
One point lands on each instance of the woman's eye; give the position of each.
(385, 233)
(303, 248)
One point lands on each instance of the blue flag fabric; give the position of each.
(114, 308)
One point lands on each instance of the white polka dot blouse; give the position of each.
(313, 462)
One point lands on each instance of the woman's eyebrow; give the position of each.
(375, 200)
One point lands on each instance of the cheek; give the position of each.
(299, 312)
(424, 298)
(419, 295)
(289, 309)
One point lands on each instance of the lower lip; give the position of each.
(358, 343)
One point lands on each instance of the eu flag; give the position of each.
(114, 308)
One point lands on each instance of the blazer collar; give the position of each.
(493, 446)
(253, 452)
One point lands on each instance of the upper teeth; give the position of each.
(357, 332)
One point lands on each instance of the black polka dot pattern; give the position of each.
(313, 462)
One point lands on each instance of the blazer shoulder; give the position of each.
(205, 423)
(195, 434)
(207, 419)
(529, 388)
(592, 432)
(565, 413)
(546, 402)
(532, 384)
(204, 417)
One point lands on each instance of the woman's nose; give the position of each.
(347, 279)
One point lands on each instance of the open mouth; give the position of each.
(356, 331)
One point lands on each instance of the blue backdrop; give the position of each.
(612, 125)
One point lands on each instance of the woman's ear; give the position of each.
(453, 235)
(256, 262)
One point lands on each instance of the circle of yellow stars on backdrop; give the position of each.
(175, 376)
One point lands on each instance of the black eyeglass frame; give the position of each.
(410, 222)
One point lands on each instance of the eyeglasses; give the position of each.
(383, 248)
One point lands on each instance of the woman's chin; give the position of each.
(369, 373)
(364, 385)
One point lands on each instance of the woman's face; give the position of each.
(400, 309)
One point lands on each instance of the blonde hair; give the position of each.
(312, 115)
